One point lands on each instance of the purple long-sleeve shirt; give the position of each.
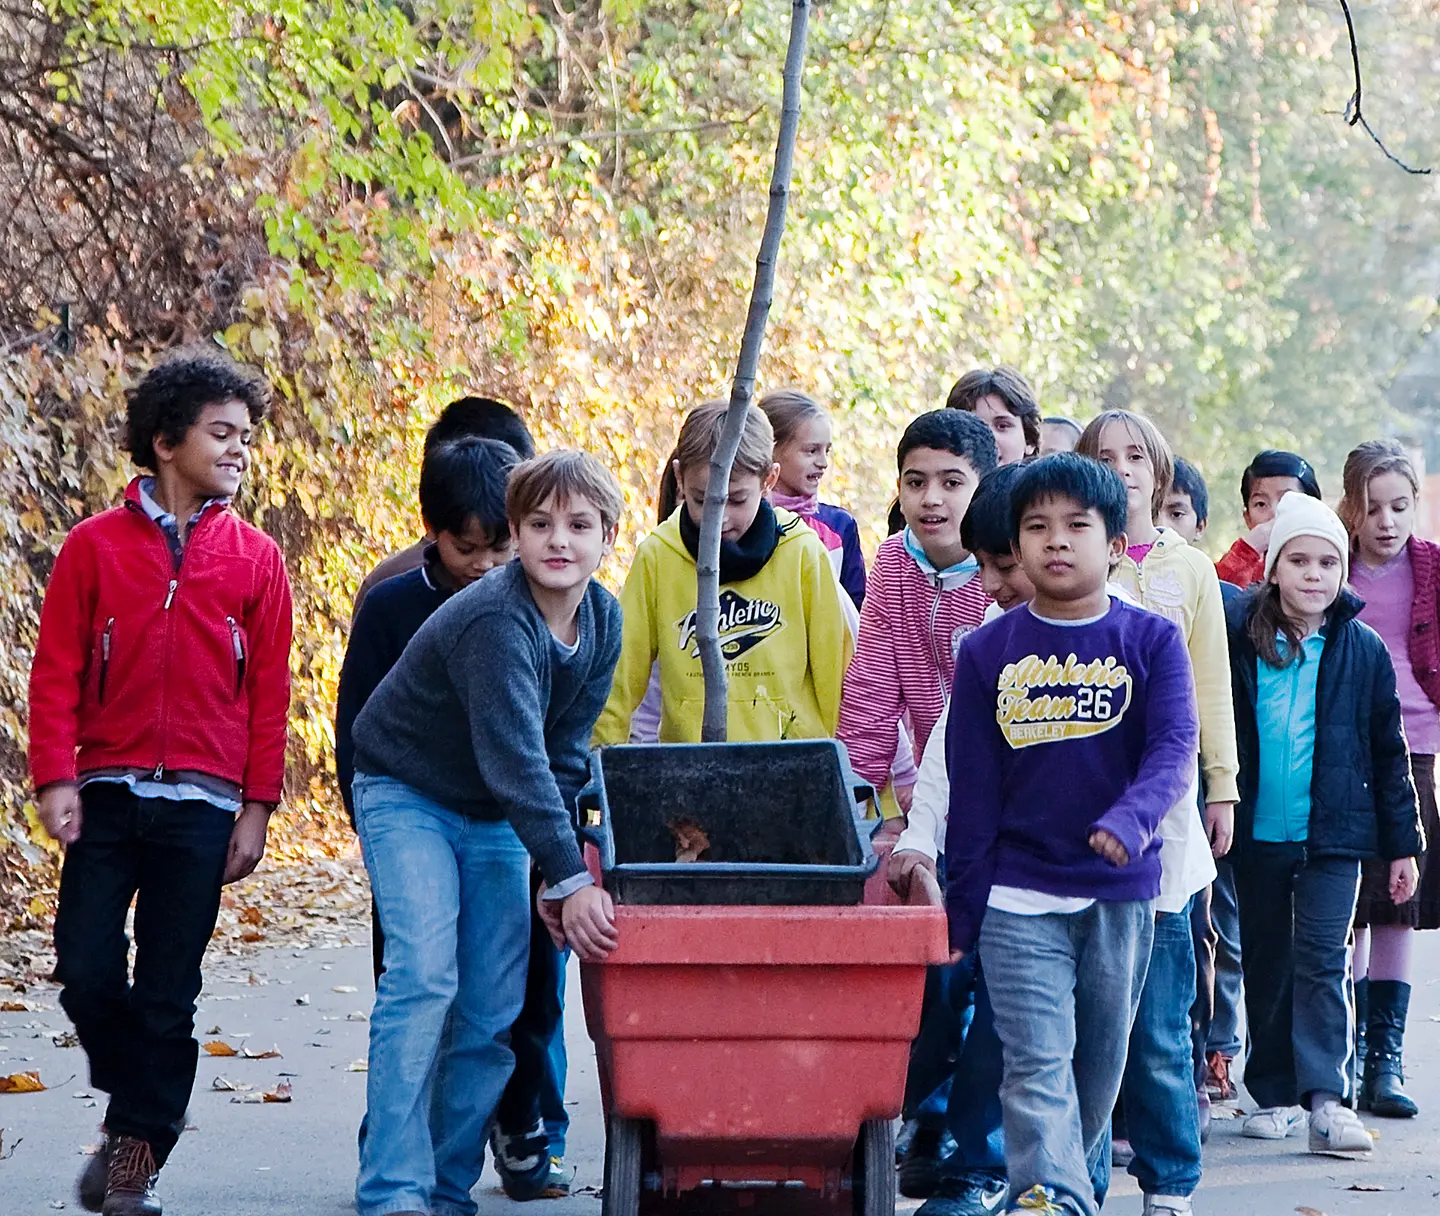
(1060, 729)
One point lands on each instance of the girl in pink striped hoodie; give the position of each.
(922, 597)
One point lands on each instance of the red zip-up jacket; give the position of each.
(143, 666)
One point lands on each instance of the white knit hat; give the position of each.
(1300, 515)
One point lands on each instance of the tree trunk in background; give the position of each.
(715, 724)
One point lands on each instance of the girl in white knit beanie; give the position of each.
(1324, 785)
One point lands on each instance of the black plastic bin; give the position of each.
(784, 821)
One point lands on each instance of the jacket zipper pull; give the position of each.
(159, 773)
(170, 595)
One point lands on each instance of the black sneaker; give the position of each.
(920, 1170)
(523, 1162)
(977, 1194)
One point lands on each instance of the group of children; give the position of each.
(1177, 789)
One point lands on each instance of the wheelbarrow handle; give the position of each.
(590, 800)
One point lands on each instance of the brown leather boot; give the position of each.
(130, 1185)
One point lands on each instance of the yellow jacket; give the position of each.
(782, 632)
(1179, 582)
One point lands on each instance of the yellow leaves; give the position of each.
(22, 1083)
(218, 1047)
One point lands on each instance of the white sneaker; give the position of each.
(1274, 1122)
(1167, 1205)
(1335, 1128)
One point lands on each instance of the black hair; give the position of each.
(1188, 481)
(953, 431)
(168, 400)
(481, 418)
(465, 479)
(987, 526)
(1013, 390)
(1273, 463)
(1066, 475)
(1058, 420)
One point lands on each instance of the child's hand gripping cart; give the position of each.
(754, 1026)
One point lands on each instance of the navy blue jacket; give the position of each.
(1362, 799)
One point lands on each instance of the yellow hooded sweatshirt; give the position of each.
(782, 632)
(1178, 581)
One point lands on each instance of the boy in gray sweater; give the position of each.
(468, 758)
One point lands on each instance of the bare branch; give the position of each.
(1353, 114)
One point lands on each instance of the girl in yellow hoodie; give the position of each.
(782, 631)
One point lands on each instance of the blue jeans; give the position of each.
(1224, 1034)
(454, 895)
(973, 1113)
(1064, 989)
(932, 1055)
(1162, 1113)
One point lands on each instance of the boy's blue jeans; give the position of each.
(1224, 1034)
(454, 895)
(1064, 989)
(973, 1112)
(1162, 1113)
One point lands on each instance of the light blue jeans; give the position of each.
(453, 893)
(1064, 989)
(1162, 1113)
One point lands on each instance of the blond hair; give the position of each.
(788, 409)
(566, 475)
(1369, 460)
(700, 436)
(1155, 446)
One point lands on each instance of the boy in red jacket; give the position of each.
(158, 703)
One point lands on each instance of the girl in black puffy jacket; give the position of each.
(1324, 784)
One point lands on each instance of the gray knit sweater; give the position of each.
(486, 713)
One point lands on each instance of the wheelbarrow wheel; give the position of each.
(624, 1166)
(872, 1182)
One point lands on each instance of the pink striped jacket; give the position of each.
(910, 628)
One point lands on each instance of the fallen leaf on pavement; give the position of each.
(216, 1030)
(252, 916)
(303, 1000)
(358, 1066)
(218, 1047)
(227, 1086)
(344, 988)
(66, 1038)
(357, 1016)
(22, 1007)
(272, 1054)
(21, 1083)
(1365, 1186)
(1310, 1212)
(281, 1093)
(1224, 1112)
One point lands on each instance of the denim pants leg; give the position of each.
(453, 894)
(1326, 889)
(1161, 1109)
(532, 1088)
(933, 1054)
(1224, 1035)
(552, 1093)
(973, 1112)
(1064, 989)
(139, 1037)
(1203, 940)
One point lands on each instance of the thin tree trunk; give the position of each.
(715, 724)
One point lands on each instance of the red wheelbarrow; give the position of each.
(753, 1058)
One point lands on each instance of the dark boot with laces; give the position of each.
(130, 1184)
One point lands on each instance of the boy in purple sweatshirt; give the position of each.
(1074, 721)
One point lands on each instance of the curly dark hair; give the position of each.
(168, 400)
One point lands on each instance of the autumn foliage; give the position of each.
(386, 206)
